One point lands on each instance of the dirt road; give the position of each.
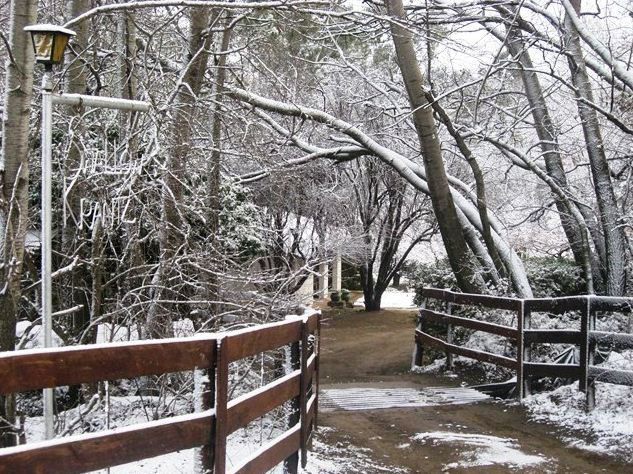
(372, 351)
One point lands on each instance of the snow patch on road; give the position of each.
(481, 450)
(342, 458)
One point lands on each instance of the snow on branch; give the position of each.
(127, 6)
(618, 68)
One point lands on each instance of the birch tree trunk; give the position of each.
(615, 241)
(461, 260)
(14, 181)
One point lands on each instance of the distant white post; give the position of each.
(336, 273)
(306, 291)
(323, 280)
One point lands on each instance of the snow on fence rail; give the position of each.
(523, 336)
(46, 368)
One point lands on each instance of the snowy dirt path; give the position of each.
(369, 353)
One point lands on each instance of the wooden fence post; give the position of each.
(450, 365)
(317, 350)
(418, 350)
(221, 401)
(587, 355)
(520, 389)
(204, 387)
(526, 349)
(291, 463)
(303, 395)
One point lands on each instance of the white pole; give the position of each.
(100, 102)
(47, 304)
(48, 100)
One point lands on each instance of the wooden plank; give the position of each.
(470, 299)
(612, 304)
(252, 405)
(436, 293)
(618, 377)
(93, 451)
(556, 305)
(251, 341)
(615, 340)
(497, 302)
(221, 405)
(470, 353)
(46, 368)
(272, 454)
(565, 371)
(487, 301)
(552, 336)
(442, 318)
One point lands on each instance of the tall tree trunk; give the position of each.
(615, 241)
(172, 231)
(14, 182)
(215, 163)
(132, 259)
(461, 260)
(545, 130)
(75, 284)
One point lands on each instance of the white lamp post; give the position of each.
(49, 43)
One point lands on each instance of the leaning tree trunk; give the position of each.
(498, 268)
(14, 182)
(615, 240)
(461, 260)
(548, 141)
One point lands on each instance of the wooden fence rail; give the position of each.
(523, 336)
(209, 429)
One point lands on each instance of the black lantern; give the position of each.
(49, 43)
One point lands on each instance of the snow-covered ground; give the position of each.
(609, 426)
(393, 299)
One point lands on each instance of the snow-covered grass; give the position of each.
(476, 450)
(609, 426)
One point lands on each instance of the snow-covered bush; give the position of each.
(553, 277)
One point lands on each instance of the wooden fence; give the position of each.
(524, 337)
(43, 368)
